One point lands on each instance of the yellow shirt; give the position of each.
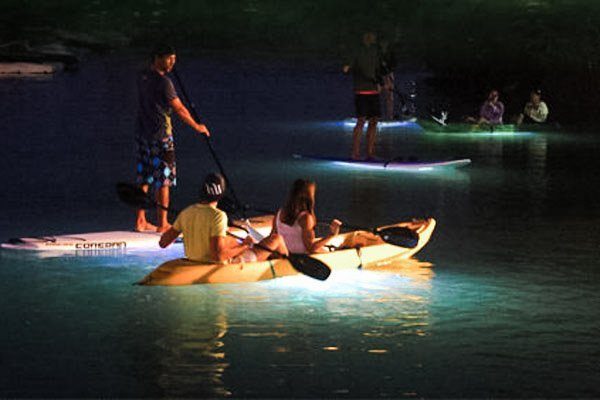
(199, 222)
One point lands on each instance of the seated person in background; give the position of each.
(204, 229)
(535, 111)
(296, 221)
(491, 111)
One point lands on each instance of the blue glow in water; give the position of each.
(509, 307)
(467, 135)
(351, 122)
(347, 164)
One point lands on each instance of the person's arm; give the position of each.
(186, 117)
(500, 111)
(483, 110)
(544, 111)
(274, 223)
(307, 223)
(168, 237)
(347, 61)
(223, 248)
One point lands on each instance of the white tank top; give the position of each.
(292, 235)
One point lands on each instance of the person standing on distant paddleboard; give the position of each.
(157, 99)
(364, 67)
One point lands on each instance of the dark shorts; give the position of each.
(156, 162)
(367, 105)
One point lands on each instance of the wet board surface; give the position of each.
(390, 164)
(111, 240)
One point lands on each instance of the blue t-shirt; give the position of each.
(155, 93)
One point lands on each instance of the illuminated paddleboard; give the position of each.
(350, 122)
(110, 241)
(475, 130)
(409, 166)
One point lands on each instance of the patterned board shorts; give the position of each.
(156, 162)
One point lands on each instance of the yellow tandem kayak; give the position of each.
(356, 249)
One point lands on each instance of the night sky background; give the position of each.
(470, 46)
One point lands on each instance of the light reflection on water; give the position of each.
(204, 340)
(509, 308)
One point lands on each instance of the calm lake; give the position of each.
(503, 302)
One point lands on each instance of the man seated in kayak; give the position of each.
(296, 220)
(535, 111)
(204, 229)
(491, 111)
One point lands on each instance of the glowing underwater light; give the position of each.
(381, 167)
(384, 124)
(497, 134)
(340, 282)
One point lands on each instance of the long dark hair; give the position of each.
(299, 200)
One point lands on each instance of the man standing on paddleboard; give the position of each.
(364, 67)
(157, 99)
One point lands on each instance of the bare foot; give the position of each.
(163, 228)
(145, 227)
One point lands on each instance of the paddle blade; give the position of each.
(399, 236)
(310, 266)
(133, 196)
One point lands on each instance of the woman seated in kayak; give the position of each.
(296, 221)
(491, 111)
(204, 229)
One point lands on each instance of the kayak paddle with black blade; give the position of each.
(398, 236)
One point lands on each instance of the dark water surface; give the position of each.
(510, 307)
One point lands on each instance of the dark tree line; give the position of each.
(470, 45)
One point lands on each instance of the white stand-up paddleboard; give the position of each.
(408, 123)
(113, 240)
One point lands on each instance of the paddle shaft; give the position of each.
(208, 142)
(260, 246)
(349, 226)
